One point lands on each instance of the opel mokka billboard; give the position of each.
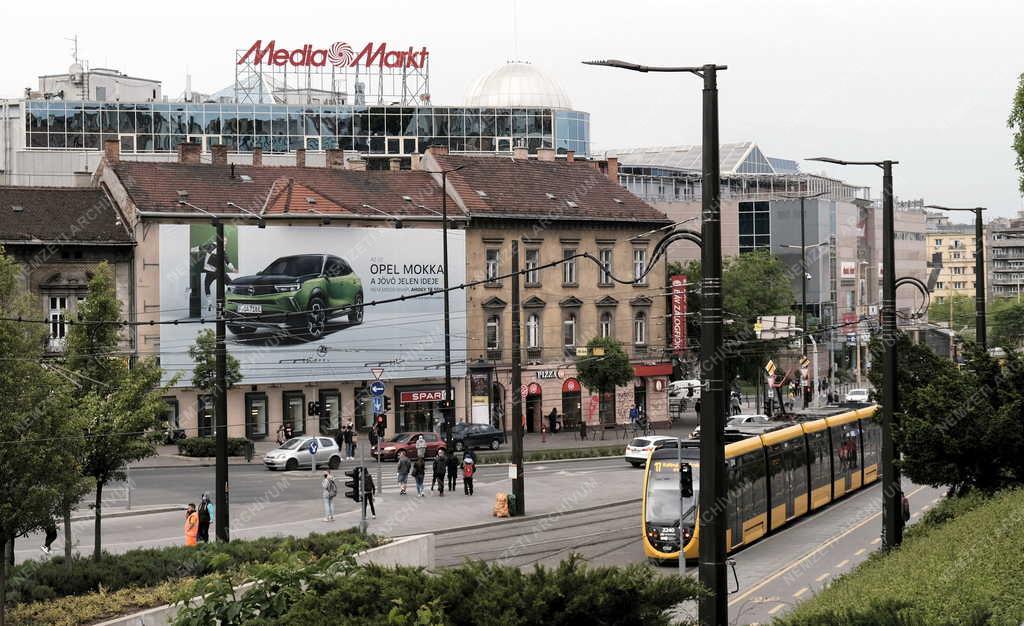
(299, 301)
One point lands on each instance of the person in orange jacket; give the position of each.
(191, 525)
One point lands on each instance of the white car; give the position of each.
(638, 449)
(737, 421)
(858, 395)
(684, 390)
(294, 454)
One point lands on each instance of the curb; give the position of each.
(530, 518)
(170, 508)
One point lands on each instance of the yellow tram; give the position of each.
(772, 479)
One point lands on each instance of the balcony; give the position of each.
(56, 344)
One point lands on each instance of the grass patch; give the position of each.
(554, 455)
(962, 564)
(95, 607)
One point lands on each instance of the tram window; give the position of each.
(821, 474)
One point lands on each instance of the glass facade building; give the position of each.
(278, 128)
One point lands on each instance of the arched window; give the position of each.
(533, 331)
(493, 333)
(569, 330)
(640, 328)
(607, 326)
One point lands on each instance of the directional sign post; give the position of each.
(313, 447)
(378, 404)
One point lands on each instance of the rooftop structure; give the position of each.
(517, 85)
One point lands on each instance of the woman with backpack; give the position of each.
(203, 533)
(468, 469)
(419, 470)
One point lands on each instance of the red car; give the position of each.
(389, 448)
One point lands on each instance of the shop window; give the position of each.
(256, 416)
(293, 404)
(330, 420)
(169, 418)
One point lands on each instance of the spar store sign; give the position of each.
(339, 54)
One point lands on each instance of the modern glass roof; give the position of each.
(735, 158)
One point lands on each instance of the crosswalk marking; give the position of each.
(800, 593)
(842, 564)
(860, 552)
(876, 541)
(776, 609)
(822, 577)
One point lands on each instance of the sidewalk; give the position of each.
(167, 456)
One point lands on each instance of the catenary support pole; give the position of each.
(220, 396)
(517, 396)
(892, 522)
(449, 397)
(979, 280)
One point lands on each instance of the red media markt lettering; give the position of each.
(339, 54)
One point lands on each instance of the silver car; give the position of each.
(294, 454)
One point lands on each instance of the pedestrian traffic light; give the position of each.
(382, 424)
(313, 408)
(352, 484)
(685, 480)
(387, 404)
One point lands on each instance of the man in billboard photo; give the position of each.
(203, 262)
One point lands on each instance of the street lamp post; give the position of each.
(979, 274)
(803, 267)
(892, 496)
(713, 608)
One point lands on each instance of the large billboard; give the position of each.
(293, 300)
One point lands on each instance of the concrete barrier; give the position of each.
(410, 551)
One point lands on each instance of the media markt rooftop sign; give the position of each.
(339, 54)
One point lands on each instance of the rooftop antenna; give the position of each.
(515, 30)
(74, 49)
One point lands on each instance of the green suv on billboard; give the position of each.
(297, 293)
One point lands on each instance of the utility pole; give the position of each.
(517, 397)
(979, 275)
(220, 396)
(449, 399)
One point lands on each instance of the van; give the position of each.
(684, 390)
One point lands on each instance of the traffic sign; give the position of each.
(377, 372)
(377, 388)
(313, 446)
(378, 404)
(770, 367)
(805, 362)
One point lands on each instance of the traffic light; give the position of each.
(355, 478)
(313, 408)
(387, 404)
(685, 480)
(382, 424)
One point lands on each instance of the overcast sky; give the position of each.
(928, 83)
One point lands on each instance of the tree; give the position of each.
(204, 353)
(1006, 324)
(963, 317)
(120, 405)
(38, 467)
(1016, 122)
(604, 373)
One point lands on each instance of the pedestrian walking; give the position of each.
(583, 429)
(419, 470)
(468, 469)
(368, 489)
(421, 447)
(191, 524)
(51, 536)
(404, 466)
(440, 465)
(347, 436)
(203, 533)
(328, 491)
(553, 420)
(354, 444)
(452, 470)
(696, 407)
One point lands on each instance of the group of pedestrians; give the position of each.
(197, 521)
(347, 441)
(444, 466)
(329, 491)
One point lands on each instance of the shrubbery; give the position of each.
(207, 446)
(148, 567)
(333, 592)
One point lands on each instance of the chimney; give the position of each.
(300, 157)
(356, 164)
(545, 154)
(112, 150)
(438, 150)
(335, 158)
(188, 152)
(394, 164)
(414, 162)
(570, 156)
(219, 154)
(520, 153)
(613, 169)
(257, 157)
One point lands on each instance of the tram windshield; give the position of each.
(663, 494)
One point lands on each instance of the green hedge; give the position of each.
(35, 581)
(207, 446)
(961, 564)
(474, 594)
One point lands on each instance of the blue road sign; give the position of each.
(377, 388)
(313, 446)
(378, 404)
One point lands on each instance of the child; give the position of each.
(468, 469)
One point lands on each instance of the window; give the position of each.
(938, 242)
(58, 318)
(639, 265)
(493, 267)
(533, 331)
(956, 255)
(256, 415)
(532, 261)
(754, 227)
(493, 333)
(958, 270)
(605, 256)
(569, 330)
(294, 406)
(939, 285)
(607, 325)
(569, 266)
(331, 419)
(640, 328)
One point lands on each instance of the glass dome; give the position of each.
(517, 85)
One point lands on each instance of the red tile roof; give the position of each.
(278, 190)
(59, 214)
(517, 188)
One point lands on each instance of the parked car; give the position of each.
(389, 448)
(300, 293)
(684, 389)
(858, 395)
(294, 454)
(736, 421)
(639, 448)
(468, 436)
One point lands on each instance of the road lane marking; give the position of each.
(776, 609)
(936, 500)
(842, 564)
(876, 541)
(822, 577)
(801, 592)
(823, 546)
(860, 552)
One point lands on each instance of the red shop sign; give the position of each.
(534, 389)
(434, 395)
(571, 385)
